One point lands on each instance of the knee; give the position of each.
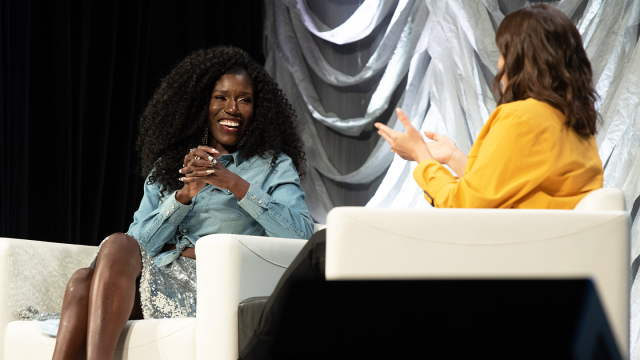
(80, 282)
(120, 254)
(122, 243)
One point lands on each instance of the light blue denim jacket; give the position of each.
(274, 205)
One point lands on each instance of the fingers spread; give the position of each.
(388, 138)
(384, 129)
(404, 119)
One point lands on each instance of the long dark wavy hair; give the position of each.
(174, 120)
(544, 59)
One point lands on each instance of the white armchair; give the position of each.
(230, 269)
(591, 241)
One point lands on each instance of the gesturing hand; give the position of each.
(208, 170)
(442, 149)
(445, 151)
(409, 145)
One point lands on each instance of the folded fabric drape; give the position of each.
(368, 15)
(378, 61)
(289, 26)
(294, 47)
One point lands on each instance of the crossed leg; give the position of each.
(98, 302)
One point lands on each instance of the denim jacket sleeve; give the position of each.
(279, 204)
(155, 223)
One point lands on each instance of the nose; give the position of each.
(232, 107)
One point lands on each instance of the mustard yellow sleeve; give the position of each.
(512, 159)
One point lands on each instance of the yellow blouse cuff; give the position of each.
(431, 176)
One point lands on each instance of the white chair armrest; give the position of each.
(486, 243)
(232, 268)
(35, 273)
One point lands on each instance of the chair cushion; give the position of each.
(140, 340)
(249, 312)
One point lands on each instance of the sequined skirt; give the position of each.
(167, 291)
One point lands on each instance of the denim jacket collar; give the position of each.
(237, 158)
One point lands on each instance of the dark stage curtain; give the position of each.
(76, 76)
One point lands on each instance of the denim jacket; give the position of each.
(274, 205)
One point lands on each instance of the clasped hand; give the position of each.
(201, 167)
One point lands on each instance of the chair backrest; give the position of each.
(605, 199)
(379, 244)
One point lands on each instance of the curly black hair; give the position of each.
(175, 117)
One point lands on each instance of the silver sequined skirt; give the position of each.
(167, 291)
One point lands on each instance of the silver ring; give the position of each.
(214, 161)
(197, 157)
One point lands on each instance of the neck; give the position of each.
(221, 148)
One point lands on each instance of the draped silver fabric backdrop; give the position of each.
(345, 64)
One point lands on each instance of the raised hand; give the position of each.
(442, 149)
(409, 145)
(445, 151)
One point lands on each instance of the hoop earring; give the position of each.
(205, 137)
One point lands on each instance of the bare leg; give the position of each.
(71, 341)
(122, 254)
(112, 294)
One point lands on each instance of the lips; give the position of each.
(230, 125)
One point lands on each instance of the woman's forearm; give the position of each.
(188, 252)
(458, 162)
(183, 197)
(239, 188)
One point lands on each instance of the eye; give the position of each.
(219, 97)
(247, 100)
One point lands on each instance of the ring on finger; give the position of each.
(212, 161)
(197, 157)
(210, 171)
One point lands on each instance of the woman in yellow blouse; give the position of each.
(537, 150)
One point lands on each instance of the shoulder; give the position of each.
(282, 162)
(283, 168)
(280, 171)
(151, 186)
(533, 114)
(283, 165)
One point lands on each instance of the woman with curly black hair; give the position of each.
(219, 143)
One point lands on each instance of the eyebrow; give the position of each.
(226, 92)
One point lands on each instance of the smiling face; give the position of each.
(230, 111)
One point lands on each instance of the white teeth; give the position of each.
(229, 123)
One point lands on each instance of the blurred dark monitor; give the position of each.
(445, 319)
